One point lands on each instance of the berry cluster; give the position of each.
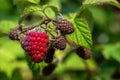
(41, 41)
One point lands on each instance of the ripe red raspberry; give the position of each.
(35, 44)
(59, 43)
(83, 52)
(65, 26)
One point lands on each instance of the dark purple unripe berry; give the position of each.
(49, 56)
(13, 34)
(65, 27)
(83, 52)
(59, 43)
(49, 69)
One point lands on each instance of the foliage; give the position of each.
(96, 25)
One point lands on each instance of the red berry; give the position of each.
(35, 44)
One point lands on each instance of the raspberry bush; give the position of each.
(49, 37)
(37, 40)
(41, 41)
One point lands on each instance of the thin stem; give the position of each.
(46, 21)
(89, 71)
(67, 55)
(48, 32)
(70, 42)
(52, 29)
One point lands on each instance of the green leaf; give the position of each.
(5, 26)
(20, 2)
(27, 11)
(51, 11)
(34, 1)
(24, 3)
(74, 62)
(54, 9)
(89, 3)
(35, 68)
(55, 3)
(8, 55)
(99, 15)
(82, 35)
(112, 51)
(107, 72)
(108, 69)
(91, 64)
(98, 1)
(88, 16)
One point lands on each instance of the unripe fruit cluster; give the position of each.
(40, 46)
(41, 41)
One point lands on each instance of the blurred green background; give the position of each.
(105, 61)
